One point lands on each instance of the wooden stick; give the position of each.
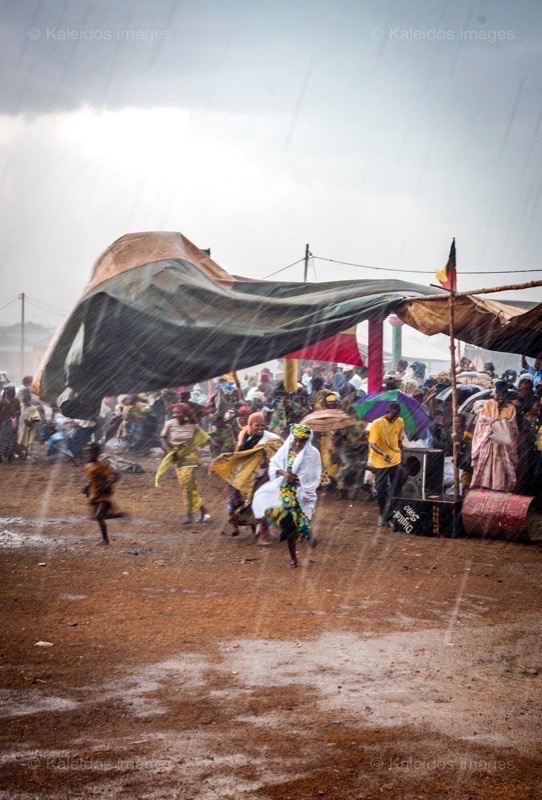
(455, 443)
(238, 385)
(509, 287)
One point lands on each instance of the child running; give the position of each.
(99, 490)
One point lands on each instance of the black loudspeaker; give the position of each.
(438, 516)
(425, 472)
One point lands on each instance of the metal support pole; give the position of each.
(396, 339)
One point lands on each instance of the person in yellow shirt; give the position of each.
(385, 458)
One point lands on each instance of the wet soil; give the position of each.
(182, 663)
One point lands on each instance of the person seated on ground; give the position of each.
(288, 499)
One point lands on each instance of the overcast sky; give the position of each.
(373, 130)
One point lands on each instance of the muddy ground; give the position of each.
(186, 664)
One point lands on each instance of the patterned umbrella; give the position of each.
(328, 420)
(376, 404)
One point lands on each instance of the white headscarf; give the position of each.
(307, 466)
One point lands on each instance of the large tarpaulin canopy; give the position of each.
(158, 312)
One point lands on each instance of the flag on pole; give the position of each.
(447, 276)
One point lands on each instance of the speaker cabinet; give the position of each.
(425, 472)
(438, 516)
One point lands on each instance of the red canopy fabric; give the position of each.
(341, 348)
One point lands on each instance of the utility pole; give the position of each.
(22, 334)
(306, 269)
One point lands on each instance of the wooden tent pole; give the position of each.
(509, 287)
(455, 442)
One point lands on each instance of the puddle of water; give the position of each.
(410, 678)
(40, 522)
(14, 704)
(14, 532)
(12, 540)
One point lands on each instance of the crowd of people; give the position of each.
(273, 463)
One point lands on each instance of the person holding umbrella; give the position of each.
(385, 454)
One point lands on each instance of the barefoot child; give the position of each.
(99, 489)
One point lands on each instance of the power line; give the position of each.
(10, 302)
(45, 303)
(283, 268)
(11, 297)
(47, 310)
(425, 271)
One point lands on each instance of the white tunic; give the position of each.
(307, 466)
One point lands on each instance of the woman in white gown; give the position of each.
(288, 499)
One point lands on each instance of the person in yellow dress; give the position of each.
(181, 438)
(385, 458)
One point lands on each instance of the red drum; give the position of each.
(500, 515)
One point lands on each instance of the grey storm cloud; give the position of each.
(61, 55)
(244, 56)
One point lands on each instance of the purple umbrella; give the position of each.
(376, 404)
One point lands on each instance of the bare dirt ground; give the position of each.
(186, 664)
